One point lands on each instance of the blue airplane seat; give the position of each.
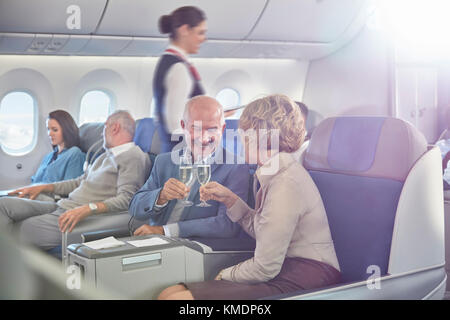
(360, 165)
(145, 129)
(232, 143)
(230, 140)
(146, 137)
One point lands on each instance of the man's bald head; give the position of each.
(209, 107)
(203, 123)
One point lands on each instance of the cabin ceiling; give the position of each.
(296, 29)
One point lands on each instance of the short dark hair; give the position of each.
(303, 108)
(190, 15)
(70, 132)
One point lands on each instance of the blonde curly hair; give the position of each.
(277, 112)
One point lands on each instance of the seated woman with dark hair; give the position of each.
(294, 249)
(66, 160)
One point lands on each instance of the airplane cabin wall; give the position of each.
(443, 98)
(59, 82)
(355, 80)
(253, 78)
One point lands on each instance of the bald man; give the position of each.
(158, 200)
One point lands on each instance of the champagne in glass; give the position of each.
(203, 173)
(186, 176)
(203, 176)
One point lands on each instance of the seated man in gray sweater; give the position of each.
(106, 186)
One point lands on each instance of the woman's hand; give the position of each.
(216, 191)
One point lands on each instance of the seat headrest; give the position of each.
(365, 146)
(144, 137)
(90, 133)
(230, 139)
(232, 123)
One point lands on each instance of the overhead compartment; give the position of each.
(15, 43)
(39, 43)
(57, 42)
(50, 16)
(318, 21)
(298, 36)
(279, 50)
(140, 46)
(104, 46)
(74, 44)
(218, 49)
(290, 29)
(230, 19)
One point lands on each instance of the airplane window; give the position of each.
(17, 122)
(95, 106)
(229, 98)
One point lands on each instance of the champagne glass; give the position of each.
(186, 176)
(203, 173)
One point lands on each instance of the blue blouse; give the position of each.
(68, 165)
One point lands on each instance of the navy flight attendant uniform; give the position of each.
(167, 61)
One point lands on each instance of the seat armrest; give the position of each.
(228, 244)
(96, 235)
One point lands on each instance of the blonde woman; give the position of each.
(294, 248)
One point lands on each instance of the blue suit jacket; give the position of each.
(195, 221)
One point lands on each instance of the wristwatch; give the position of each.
(93, 207)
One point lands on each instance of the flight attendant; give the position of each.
(176, 80)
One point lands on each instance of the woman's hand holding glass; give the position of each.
(215, 191)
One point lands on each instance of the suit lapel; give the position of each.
(173, 173)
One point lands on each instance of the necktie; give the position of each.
(192, 69)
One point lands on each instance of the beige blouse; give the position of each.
(289, 221)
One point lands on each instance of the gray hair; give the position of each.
(125, 119)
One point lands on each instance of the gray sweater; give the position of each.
(111, 179)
